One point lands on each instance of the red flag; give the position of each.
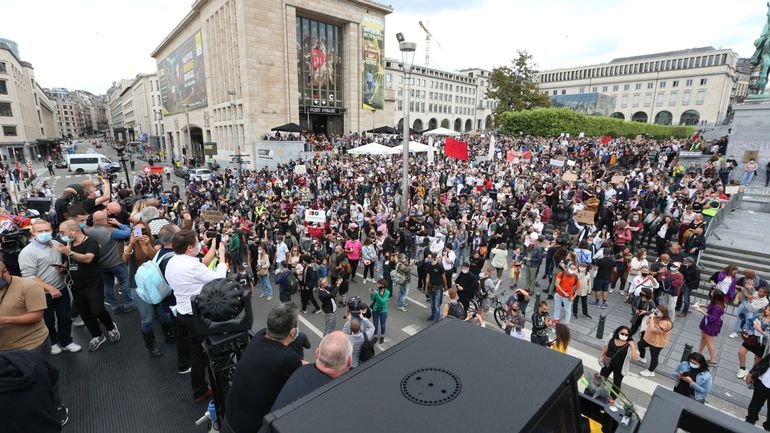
(605, 139)
(456, 149)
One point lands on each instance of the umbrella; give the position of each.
(289, 127)
(415, 147)
(383, 130)
(373, 149)
(442, 131)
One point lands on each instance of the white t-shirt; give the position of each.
(724, 285)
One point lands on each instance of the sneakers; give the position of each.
(95, 343)
(592, 302)
(183, 370)
(114, 334)
(605, 306)
(78, 322)
(62, 415)
(261, 296)
(742, 372)
(647, 373)
(733, 335)
(363, 281)
(642, 361)
(303, 311)
(318, 311)
(55, 349)
(401, 308)
(269, 298)
(612, 290)
(72, 347)
(681, 314)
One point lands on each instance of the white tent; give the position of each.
(374, 149)
(442, 131)
(415, 147)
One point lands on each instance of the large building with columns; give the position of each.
(233, 69)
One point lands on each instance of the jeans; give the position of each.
(742, 309)
(58, 319)
(669, 302)
(379, 318)
(121, 273)
(189, 353)
(267, 289)
(436, 296)
(402, 292)
(559, 302)
(330, 322)
(746, 178)
(147, 311)
(683, 300)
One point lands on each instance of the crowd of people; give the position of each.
(569, 220)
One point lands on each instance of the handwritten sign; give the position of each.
(585, 216)
(300, 169)
(212, 216)
(570, 177)
(570, 163)
(556, 162)
(315, 216)
(618, 180)
(732, 189)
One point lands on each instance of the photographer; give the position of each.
(353, 327)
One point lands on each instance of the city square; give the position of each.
(540, 228)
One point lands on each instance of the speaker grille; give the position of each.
(431, 386)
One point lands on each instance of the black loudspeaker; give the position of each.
(451, 377)
(40, 204)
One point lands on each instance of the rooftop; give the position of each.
(664, 54)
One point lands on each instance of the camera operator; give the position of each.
(186, 275)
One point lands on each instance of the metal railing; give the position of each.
(719, 219)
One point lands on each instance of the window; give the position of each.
(688, 83)
(662, 85)
(582, 90)
(675, 83)
(626, 86)
(647, 99)
(9, 131)
(564, 92)
(400, 79)
(638, 86)
(686, 98)
(703, 81)
(3, 87)
(388, 80)
(555, 92)
(700, 97)
(635, 102)
(5, 109)
(2, 68)
(659, 100)
(615, 88)
(650, 86)
(604, 89)
(624, 101)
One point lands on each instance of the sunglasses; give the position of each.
(624, 335)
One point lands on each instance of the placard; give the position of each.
(748, 155)
(315, 216)
(570, 177)
(300, 169)
(618, 180)
(153, 169)
(732, 189)
(212, 216)
(584, 216)
(570, 163)
(690, 154)
(556, 162)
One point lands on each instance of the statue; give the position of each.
(761, 55)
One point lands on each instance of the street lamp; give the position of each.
(237, 147)
(189, 133)
(407, 56)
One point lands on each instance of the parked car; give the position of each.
(181, 171)
(200, 174)
(60, 164)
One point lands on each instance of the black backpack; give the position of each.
(456, 310)
(292, 284)
(367, 349)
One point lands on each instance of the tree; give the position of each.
(445, 123)
(515, 87)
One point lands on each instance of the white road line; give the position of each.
(412, 329)
(415, 302)
(311, 327)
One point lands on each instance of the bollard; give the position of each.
(537, 299)
(600, 327)
(687, 352)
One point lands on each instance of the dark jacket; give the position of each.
(469, 282)
(327, 298)
(691, 276)
(309, 279)
(26, 393)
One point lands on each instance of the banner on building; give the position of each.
(373, 29)
(210, 148)
(181, 76)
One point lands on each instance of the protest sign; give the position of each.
(212, 216)
(315, 216)
(300, 169)
(570, 177)
(732, 189)
(557, 162)
(584, 216)
(618, 180)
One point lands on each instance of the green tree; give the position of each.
(445, 123)
(515, 87)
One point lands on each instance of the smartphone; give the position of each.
(219, 239)
(137, 230)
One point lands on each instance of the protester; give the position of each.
(615, 357)
(711, 323)
(693, 378)
(655, 337)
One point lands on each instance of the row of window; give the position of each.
(433, 73)
(419, 107)
(636, 68)
(673, 98)
(440, 85)
(3, 87)
(637, 86)
(437, 96)
(3, 69)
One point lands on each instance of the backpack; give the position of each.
(151, 285)
(456, 310)
(367, 349)
(292, 284)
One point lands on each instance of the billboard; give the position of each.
(373, 62)
(182, 77)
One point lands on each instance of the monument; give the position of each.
(751, 123)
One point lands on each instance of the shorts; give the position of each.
(756, 349)
(601, 286)
(485, 304)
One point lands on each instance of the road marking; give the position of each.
(415, 302)
(311, 327)
(412, 329)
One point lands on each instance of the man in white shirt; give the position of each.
(187, 275)
(448, 261)
(281, 250)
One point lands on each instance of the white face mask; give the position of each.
(623, 337)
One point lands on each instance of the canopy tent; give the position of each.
(289, 127)
(383, 130)
(415, 147)
(442, 131)
(374, 149)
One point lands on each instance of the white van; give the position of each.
(87, 162)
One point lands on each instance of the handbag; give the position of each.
(367, 349)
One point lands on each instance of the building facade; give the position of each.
(686, 87)
(453, 100)
(27, 116)
(232, 70)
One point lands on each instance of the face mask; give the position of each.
(464, 271)
(570, 271)
(82, 226)
(623, 337)
(43, 238)
(65, 239)
(694, 366)
(98, 193)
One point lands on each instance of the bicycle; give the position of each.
(495, 305)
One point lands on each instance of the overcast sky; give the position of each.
(88, 44)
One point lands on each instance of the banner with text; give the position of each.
(373, 29)
(181, 76)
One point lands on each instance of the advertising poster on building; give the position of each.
(374, 68)
(182, 77)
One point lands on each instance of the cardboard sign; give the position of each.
(212, 216)
(153, 169)
(556, 162)
(690, 154)
(570, 177)
(570, 163)
(315, 216)
(582, 135)
(618, 180)
(748, 155)
(732, 189)
(300, 169)
(584, 216)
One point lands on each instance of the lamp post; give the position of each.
(407, 56)
(238, 156)
(189, 133)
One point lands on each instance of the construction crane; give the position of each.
(428, 36)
